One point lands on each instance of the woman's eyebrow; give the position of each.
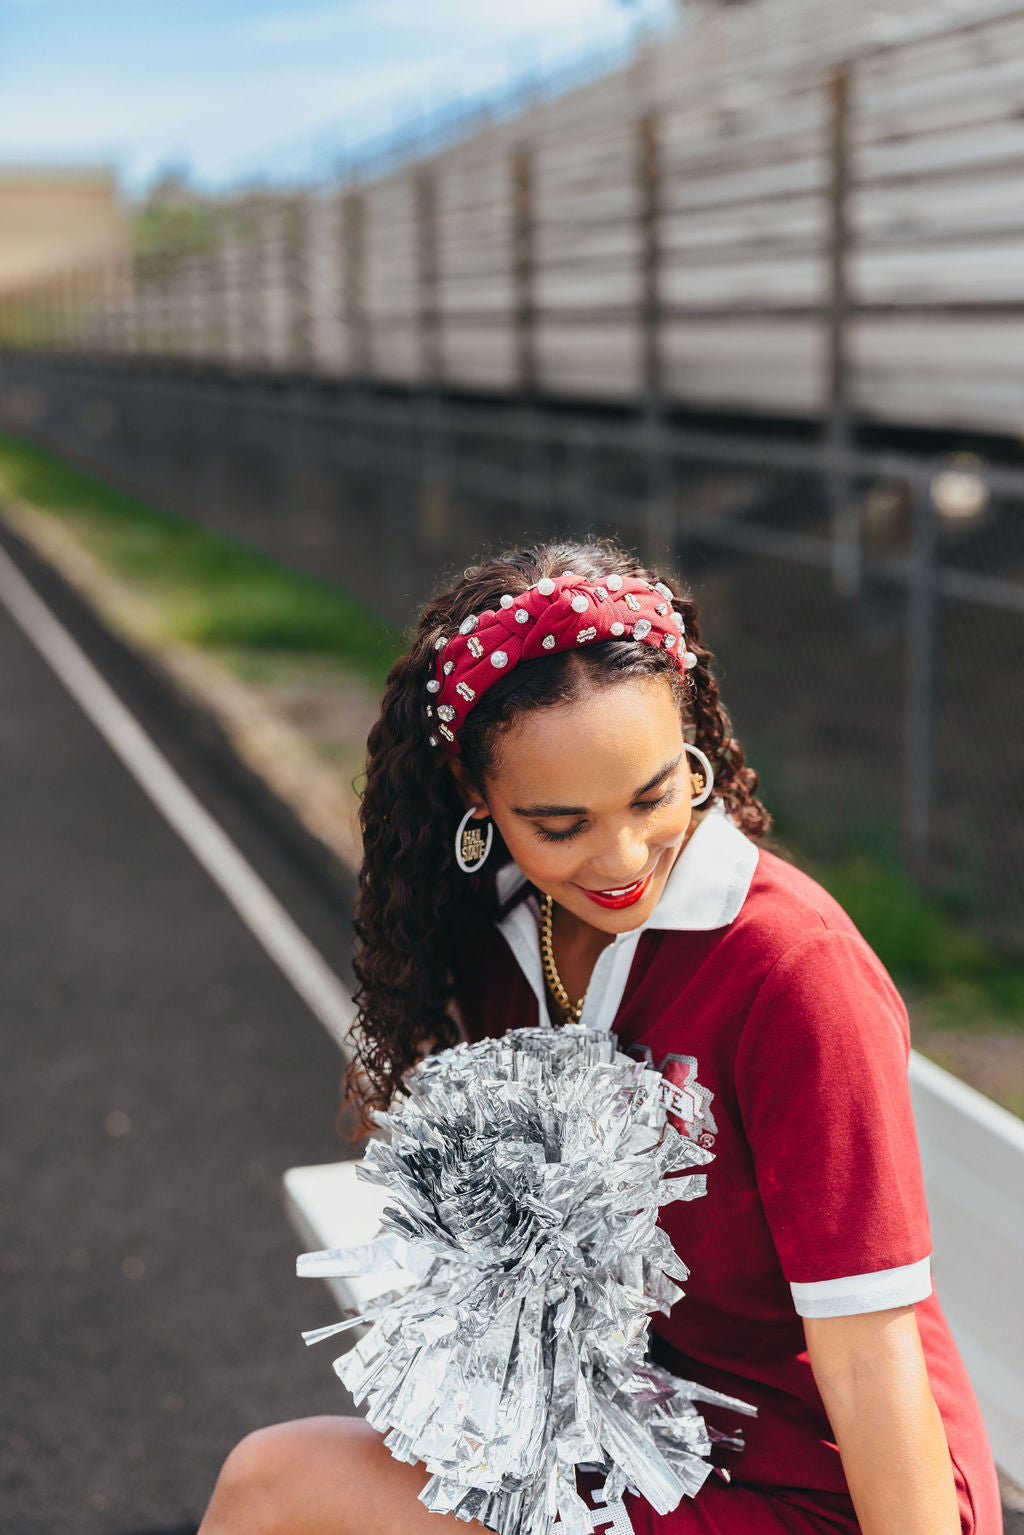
(556, 810)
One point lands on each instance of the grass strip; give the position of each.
(206, 589)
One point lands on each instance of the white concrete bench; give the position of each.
(973, 1155)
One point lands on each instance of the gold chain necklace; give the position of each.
(573, 1011)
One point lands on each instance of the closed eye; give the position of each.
(645, 805)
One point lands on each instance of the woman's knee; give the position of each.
(268, 1480)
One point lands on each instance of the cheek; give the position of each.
(545, 863)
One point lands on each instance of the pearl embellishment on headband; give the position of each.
(618, 628)
(433, 686)
(580, 603)
(545, 586)
(613, 583)
(499, 658)
(506, 601)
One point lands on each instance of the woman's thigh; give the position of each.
(334, 1476)
(321, 1476)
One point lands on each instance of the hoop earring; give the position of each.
(708, 782)
(471, 849)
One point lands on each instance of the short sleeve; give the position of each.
(821, 1076)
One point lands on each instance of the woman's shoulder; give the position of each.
(792, 930)
(786, 916)
(790, 901)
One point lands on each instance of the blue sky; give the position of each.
(236, 90)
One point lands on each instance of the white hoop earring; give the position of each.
(709, 775)
(471, 848)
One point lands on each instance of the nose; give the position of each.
(624, 859)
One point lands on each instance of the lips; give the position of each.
(622, 895)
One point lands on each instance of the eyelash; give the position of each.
(567, 836)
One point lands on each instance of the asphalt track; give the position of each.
(159, 1073)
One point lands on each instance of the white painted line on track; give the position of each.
(314, 980)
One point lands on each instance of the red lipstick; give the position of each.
(622, 895)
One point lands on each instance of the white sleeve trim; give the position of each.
(864, 1292)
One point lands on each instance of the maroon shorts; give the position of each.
(728, 1509)
(722, 1508)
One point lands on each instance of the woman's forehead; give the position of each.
(610, 740)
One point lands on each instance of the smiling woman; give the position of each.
(559, 824)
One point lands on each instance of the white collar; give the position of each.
(705, 889)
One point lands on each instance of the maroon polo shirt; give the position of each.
(788, 1036)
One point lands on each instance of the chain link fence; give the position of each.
(867, 608)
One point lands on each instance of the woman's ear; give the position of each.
(468, 793)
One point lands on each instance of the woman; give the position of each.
(558, 824)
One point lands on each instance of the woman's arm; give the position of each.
(871, 1373)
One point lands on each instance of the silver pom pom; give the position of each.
(524, 1176)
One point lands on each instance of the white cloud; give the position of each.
(233, 99)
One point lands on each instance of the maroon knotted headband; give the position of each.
(560, 613)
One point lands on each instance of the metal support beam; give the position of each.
(524, 270)
(659, 517)
(428, 275)
(353, 279)
(846, 556)
(922, 599)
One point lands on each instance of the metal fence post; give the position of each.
(922, 597)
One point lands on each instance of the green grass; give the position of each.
(208, 590)
(927, 941)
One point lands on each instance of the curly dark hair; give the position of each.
(416, 911)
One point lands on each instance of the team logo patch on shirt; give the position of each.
(683, 1096)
